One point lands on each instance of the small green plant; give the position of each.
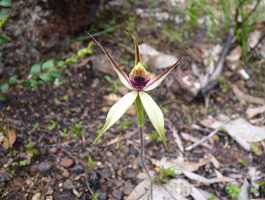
(212, 197)
(45, 72)
(74, 58)
(125, 124)
(94, 196)
(4, 16)
(232, 190)
(131, 24)
(77, 130)
(23, 163)
(6, 85)
(90, 162)
(165, 174)
(154, 136)
(256, 149)
(31, 150)
(52, 125)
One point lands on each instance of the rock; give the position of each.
(102, 196)
(130, 173)
(68, 185)
(42, 167)
(36, 196)
(67, 162)
(66, 173)
(117, 194)
(4, 177)
(127, 188)
(64, 196)
(78, 169)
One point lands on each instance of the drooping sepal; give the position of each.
(116, 112)
(154, 113)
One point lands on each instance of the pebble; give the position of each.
(128, 188)
(78, 169)
(68, 185)
(117, 194)
(42, 167)
(67, 162)
(65, 173)
(4, 177)
(36, 196)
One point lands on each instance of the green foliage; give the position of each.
(232, 190)
(125, 123)
(212, 197)
(52, 125)
(23, 163)
(164, 174)
(31, 150)
(90, 162)
(94, 196)
(74, 58)
(5, 3)
(131, 25)
(45, 72)
(77, 130)
(4, 16)
(256, 149)
(154, 136)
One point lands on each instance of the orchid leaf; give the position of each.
(154, 113)
(117, 111)
(153, 83)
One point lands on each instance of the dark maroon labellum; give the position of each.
(139, 82)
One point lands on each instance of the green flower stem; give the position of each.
(140, 120)
(140, 112)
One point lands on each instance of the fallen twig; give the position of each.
(245, 97)
(206, 138)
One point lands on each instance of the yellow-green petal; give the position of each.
(117, 111)
(154, 113)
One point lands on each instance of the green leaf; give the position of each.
(12, 80)
(35, 69)
(5, 3)
(154, 113)
(34, 83)
(49, 64)
(61, 64)
(4, 88)
(117, 111)
(4, 39)
(46, 77)
(55, 73)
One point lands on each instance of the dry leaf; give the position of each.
(207, 181)
(181, 165)
(247, 98)
(240, 130)
(175, 189)
(243, 195)
(252, 112)
(254, 38)
(9, 139)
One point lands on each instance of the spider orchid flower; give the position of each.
(139, 82)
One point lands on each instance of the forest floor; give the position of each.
(50, 129)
